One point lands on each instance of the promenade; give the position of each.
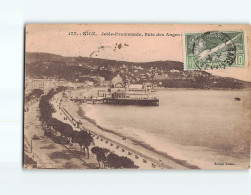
(44, 151)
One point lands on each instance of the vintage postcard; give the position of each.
(137, 96)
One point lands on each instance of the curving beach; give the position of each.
(143, 156)
(162, 132)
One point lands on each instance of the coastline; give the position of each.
(142, 148)
(184, 163)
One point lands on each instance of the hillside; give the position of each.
(31, 57)
(161, 73)
(34, 57)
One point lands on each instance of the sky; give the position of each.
(55, 38)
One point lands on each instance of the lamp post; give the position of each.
(31, 146)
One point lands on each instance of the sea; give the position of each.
(206, 128)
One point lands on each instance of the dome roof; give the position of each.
(117, 80)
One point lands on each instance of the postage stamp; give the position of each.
(214, 50)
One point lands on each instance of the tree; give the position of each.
(46, 108)
(66, 130)
(37, 92)
(126, 162)
(100, 154)
(52, 122)
(83, 138)
(114, 160)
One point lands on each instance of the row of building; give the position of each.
(48, 84)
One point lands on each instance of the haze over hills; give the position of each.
(161, 73)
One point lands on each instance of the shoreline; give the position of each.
(184, 163)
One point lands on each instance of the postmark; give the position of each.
(214, 50)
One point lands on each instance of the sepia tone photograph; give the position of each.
(137, 96)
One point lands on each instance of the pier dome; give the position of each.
(117, 82)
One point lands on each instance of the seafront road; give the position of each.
(44, 151)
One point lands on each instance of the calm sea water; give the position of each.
(199, 126)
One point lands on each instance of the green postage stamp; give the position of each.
(214, 50)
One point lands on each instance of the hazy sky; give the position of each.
(56, 39)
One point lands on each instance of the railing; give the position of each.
(160, 164)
